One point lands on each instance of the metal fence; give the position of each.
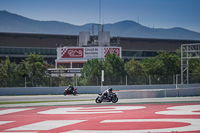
(133, 80)
(96, 81)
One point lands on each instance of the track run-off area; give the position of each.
(164, 117)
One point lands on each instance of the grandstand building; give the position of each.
(15, 45)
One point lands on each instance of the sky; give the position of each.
(151, 13)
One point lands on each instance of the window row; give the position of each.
(28, 50)
(139, 53)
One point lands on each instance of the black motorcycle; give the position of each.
(104, 98)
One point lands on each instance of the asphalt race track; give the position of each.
(47, 97)
(180, 114)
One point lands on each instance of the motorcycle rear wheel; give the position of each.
(114, 99)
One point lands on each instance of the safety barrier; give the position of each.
(132, 91)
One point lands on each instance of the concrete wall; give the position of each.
(129, 94)
(31, 91)
(136, 91)
(46, 90)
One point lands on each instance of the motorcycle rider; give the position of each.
(71, 89)
(107, 93)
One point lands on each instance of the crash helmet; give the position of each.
(70, 86)
(110, 89)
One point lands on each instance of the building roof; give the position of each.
(55, 40)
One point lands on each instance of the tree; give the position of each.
(164, 63)
(135, 72)
(114, 65)
(8, 73)
(114, 70)
(152, 66)
(194, 66)
(162, 68)
(91, 71)
(194, 70)
(171, 62)
(34, 68)
(134, 67)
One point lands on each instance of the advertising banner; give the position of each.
(92, 52)
(110, 50)
(86, 52)
(72, 53)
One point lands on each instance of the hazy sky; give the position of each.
(151, 13)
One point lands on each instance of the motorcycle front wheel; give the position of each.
(114, 99)
(98, 100)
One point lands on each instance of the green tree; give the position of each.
(91, 71)
(8, 73)
(114, 70)
(194, 66)
(134, 67)
(153, 66)
(194, 70)
(34, 68)
(164, 63)
(162, 67)
(114, 65)
(171, 62)
(135, 72)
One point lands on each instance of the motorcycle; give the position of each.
(67, 92)
(112, 98)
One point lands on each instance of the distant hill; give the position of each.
(10, 22)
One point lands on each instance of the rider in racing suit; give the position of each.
(71, 89)
(107, 93)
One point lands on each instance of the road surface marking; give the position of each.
(91, 110)
(194, 126)
(8, 111)
(181, 110)
(47, 125)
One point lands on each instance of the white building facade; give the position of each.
(72, 59)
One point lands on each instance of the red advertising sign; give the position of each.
(111, 51)
(72, 52)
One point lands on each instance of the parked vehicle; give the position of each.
(69, 92)
(104, 98)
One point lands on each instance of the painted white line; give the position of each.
(46, 125)
(194, 126)
(8, 111)
(181, 110)
(91, 110)
(5, 122)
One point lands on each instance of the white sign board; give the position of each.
(102, 75)
(92, 52)
(86, 52)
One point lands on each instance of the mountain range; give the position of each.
(14, 23)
